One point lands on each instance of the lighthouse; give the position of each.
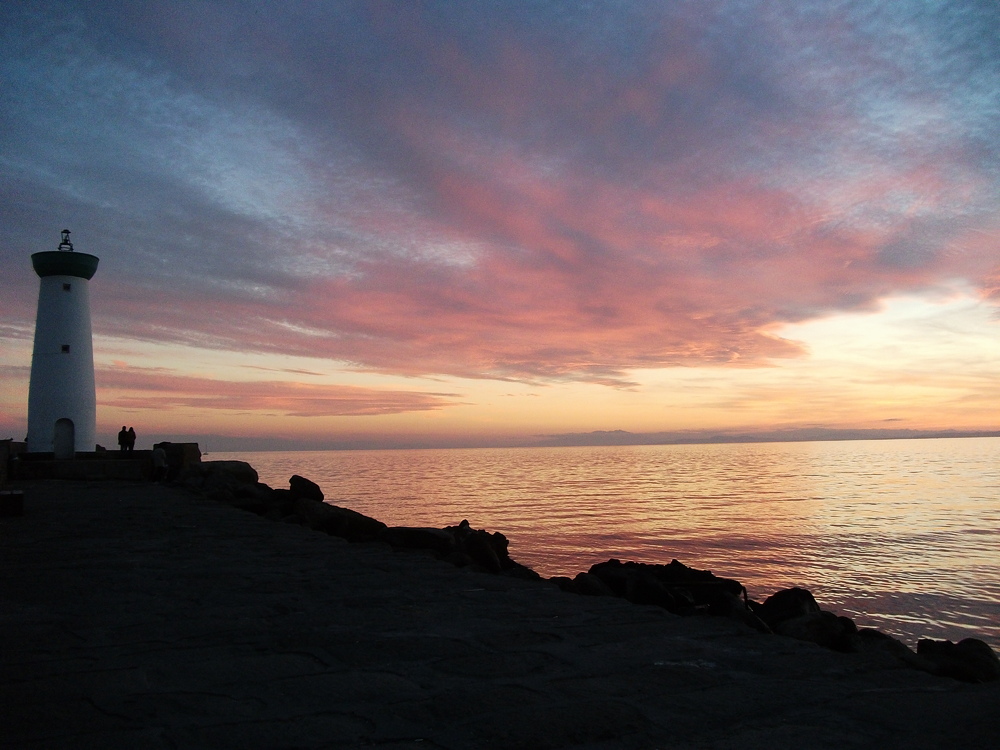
(62, 403)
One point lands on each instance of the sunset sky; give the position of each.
(463, 223)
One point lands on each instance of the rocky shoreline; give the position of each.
(676, 588)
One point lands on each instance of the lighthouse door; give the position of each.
(64, 439)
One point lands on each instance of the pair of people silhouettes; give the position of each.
(126, 439)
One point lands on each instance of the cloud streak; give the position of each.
(145, 388)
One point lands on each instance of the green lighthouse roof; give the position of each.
(65, 263)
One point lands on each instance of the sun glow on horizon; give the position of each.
(918, 362)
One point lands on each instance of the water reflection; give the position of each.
(900, 535)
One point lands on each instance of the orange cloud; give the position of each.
(147, 388)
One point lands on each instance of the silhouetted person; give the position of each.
(131, 439)
(123, 439)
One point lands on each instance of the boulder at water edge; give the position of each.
(675, 587)
(795, 613)
(302, 487)
(485, 551)
(786, 605)
(437, 541)
(231, 482)
(971, 659)
(343, 522)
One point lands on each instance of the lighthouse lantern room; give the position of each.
(62, 403)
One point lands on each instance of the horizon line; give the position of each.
(596, 438)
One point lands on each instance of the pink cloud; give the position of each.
(573, 277)
(606, 222)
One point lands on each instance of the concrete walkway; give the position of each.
(138, 616)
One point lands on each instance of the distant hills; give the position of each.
(801, 434)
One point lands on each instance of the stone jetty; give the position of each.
(142, 615)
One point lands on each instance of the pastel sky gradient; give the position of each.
(430, 223)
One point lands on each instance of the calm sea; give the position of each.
(901, 535)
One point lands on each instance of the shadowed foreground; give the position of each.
(141, 616)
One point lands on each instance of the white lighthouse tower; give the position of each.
(62, 403)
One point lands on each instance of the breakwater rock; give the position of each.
(675, 587)
(237, 483)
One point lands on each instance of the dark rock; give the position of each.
(236, 471)
(747, 617)
(590, 585)
(218, 484)
(876, 640)
(795, 613)
(343, 522)
(727, 605)
(284, 500)
(878, 645)
(635, 582)
(221, 494)
(970, 660)
(302, 487)
(479, 547)
(786, 605)
(231, 482)
(823, 628)
(523, 572)
(257, 498)
(614, 575)
(674, 587)
(191, 478)
(438, 541)
(485, 551)
(459, 559)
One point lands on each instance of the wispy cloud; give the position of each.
(159, 389)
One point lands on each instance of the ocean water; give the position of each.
(901, 535)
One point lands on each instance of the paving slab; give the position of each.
(134, 615)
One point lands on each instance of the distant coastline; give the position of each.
(800, 435)
(236, 444)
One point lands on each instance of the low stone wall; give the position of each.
(135, 466)
(132, 466)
